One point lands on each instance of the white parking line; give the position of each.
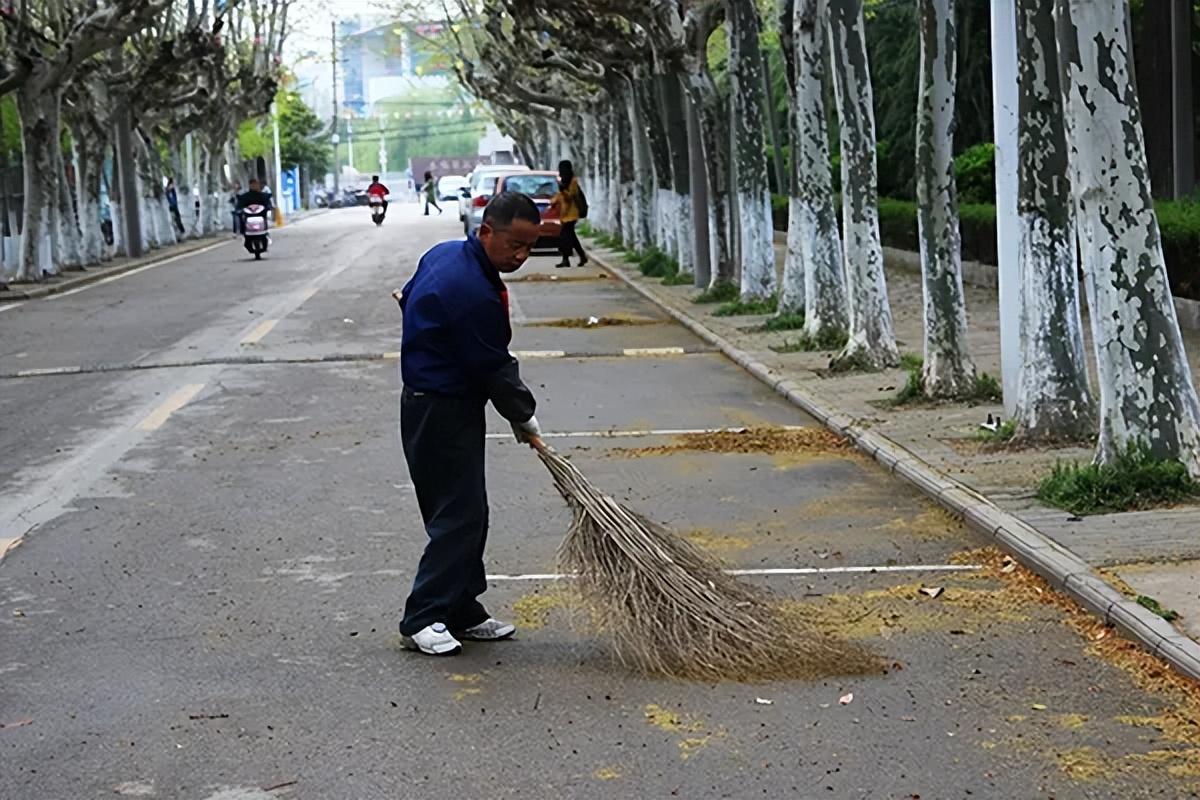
(132, 272)
(11, 306)
(29, 373)
(653, 351)
(618, 434)
(169, 406)
(531, 354)
(557, 576)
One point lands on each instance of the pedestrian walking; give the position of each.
(430, 190)
(572, 207)
(173, 204)
(454, 358)
(233, 207)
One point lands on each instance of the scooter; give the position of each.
(254, 230)
(377, 212)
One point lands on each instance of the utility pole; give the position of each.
(1183, 128)
(1004, 119)
(278, 167)
(336, 166)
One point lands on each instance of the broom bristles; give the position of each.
(670, 609)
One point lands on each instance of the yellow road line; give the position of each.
(169, 406)
(309, 292)
(260, 330)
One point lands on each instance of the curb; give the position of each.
(1063, 569)
(95, 274)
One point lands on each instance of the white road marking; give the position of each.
(558, 576)
(653, 351)
(531, 354)
(392, 356)
(169, 406)
(619, 434)
(260, 330)
(132, 272)
(29, 373)
(309, 293)
(11, 306)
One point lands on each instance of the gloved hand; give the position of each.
(527, 431)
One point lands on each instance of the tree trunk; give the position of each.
(872, 344)
(791, 294)
(671, 99)
(631, 215)
(820, 244)
(615, 198)
(756, 231)
(39, 137)
(643, 174)
(89, 166)
(949, 371)
(65, 239)
(1146, 390)
(660, 152)
(714, 128)
(1053, 399)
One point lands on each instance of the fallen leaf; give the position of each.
(1038, 706)
(18, 612)
(18, 724)
(762, 701)
(846, 699)
(933, 591)
(1100, 635)
(1009, 565)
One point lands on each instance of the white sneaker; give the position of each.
(433, 640)
(490, 630)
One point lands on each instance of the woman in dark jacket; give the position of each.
(569, 202)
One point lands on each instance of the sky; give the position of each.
(310, 20)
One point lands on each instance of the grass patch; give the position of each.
(722, 292)
(585, 229)
(1134, 480)
(610, 242)
(1004, 432)
(784, 322)
(1170, 615)
(739, 308)
(654, 263)
(829, 339)
(679, 279)
(985, 389)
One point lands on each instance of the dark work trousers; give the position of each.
(568, 241)
(443, 440)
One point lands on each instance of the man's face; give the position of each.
(509, 247)
(255, 186)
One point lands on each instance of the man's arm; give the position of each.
(479, 334)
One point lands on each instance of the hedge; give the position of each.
(1178, 220)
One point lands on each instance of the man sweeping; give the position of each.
(454, 359)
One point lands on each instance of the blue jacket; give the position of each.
(457, 331)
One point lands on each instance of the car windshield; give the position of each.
(487, 184)
(539, 186)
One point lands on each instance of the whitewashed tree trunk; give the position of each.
(820, 244)
(791, 290)
(1146, 389)
(39, 136)
(755, 226)
(714, 130)
(643, 177)
(1054, 402)
(671, 99)
(613, 170)
(66, 240)
(949, 371)
(872, 343)
(89, 162)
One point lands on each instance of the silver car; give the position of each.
(475, 197)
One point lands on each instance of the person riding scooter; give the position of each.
(251, 206)
(255, 197)
(377, 189)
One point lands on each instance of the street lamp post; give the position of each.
(278, 166)
(1004, 118)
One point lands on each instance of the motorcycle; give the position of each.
(254, 230)
(377, 210)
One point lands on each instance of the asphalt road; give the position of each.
(217, 533)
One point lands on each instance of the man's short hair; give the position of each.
(375, 178)
(508, 206)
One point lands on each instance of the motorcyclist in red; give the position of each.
(377, 189)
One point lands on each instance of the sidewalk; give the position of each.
(20, 292)
(1105, 562)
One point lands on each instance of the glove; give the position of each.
(527, 431)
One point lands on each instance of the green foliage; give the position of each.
(984, 390)
(1145, 601)
(722, 292)
(300, 135)
(612, 242)
(830, 339)
(1134, 480)
(975, 173)
(584, 228)
(740, 308)
(10, 130)
(654, 263)
(254, 141)
(784, 322)
(679, 279)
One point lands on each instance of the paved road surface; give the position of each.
(218, 534)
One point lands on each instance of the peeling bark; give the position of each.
(643, 174)
(948, 371)
(820, 244)
(1146, 390)
(1054, 402)
(713, 112)
(39, 114)
(872, 343)
(756, 230)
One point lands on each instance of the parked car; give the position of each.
(449, 187)
(474, 198)
(540, 187)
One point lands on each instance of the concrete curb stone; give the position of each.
(1060, 567)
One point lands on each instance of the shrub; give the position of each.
(1134, 480)
(784, 322)
(975, 171)
(722, 292)
(830, 339)
(679, 279)
(739, 308)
